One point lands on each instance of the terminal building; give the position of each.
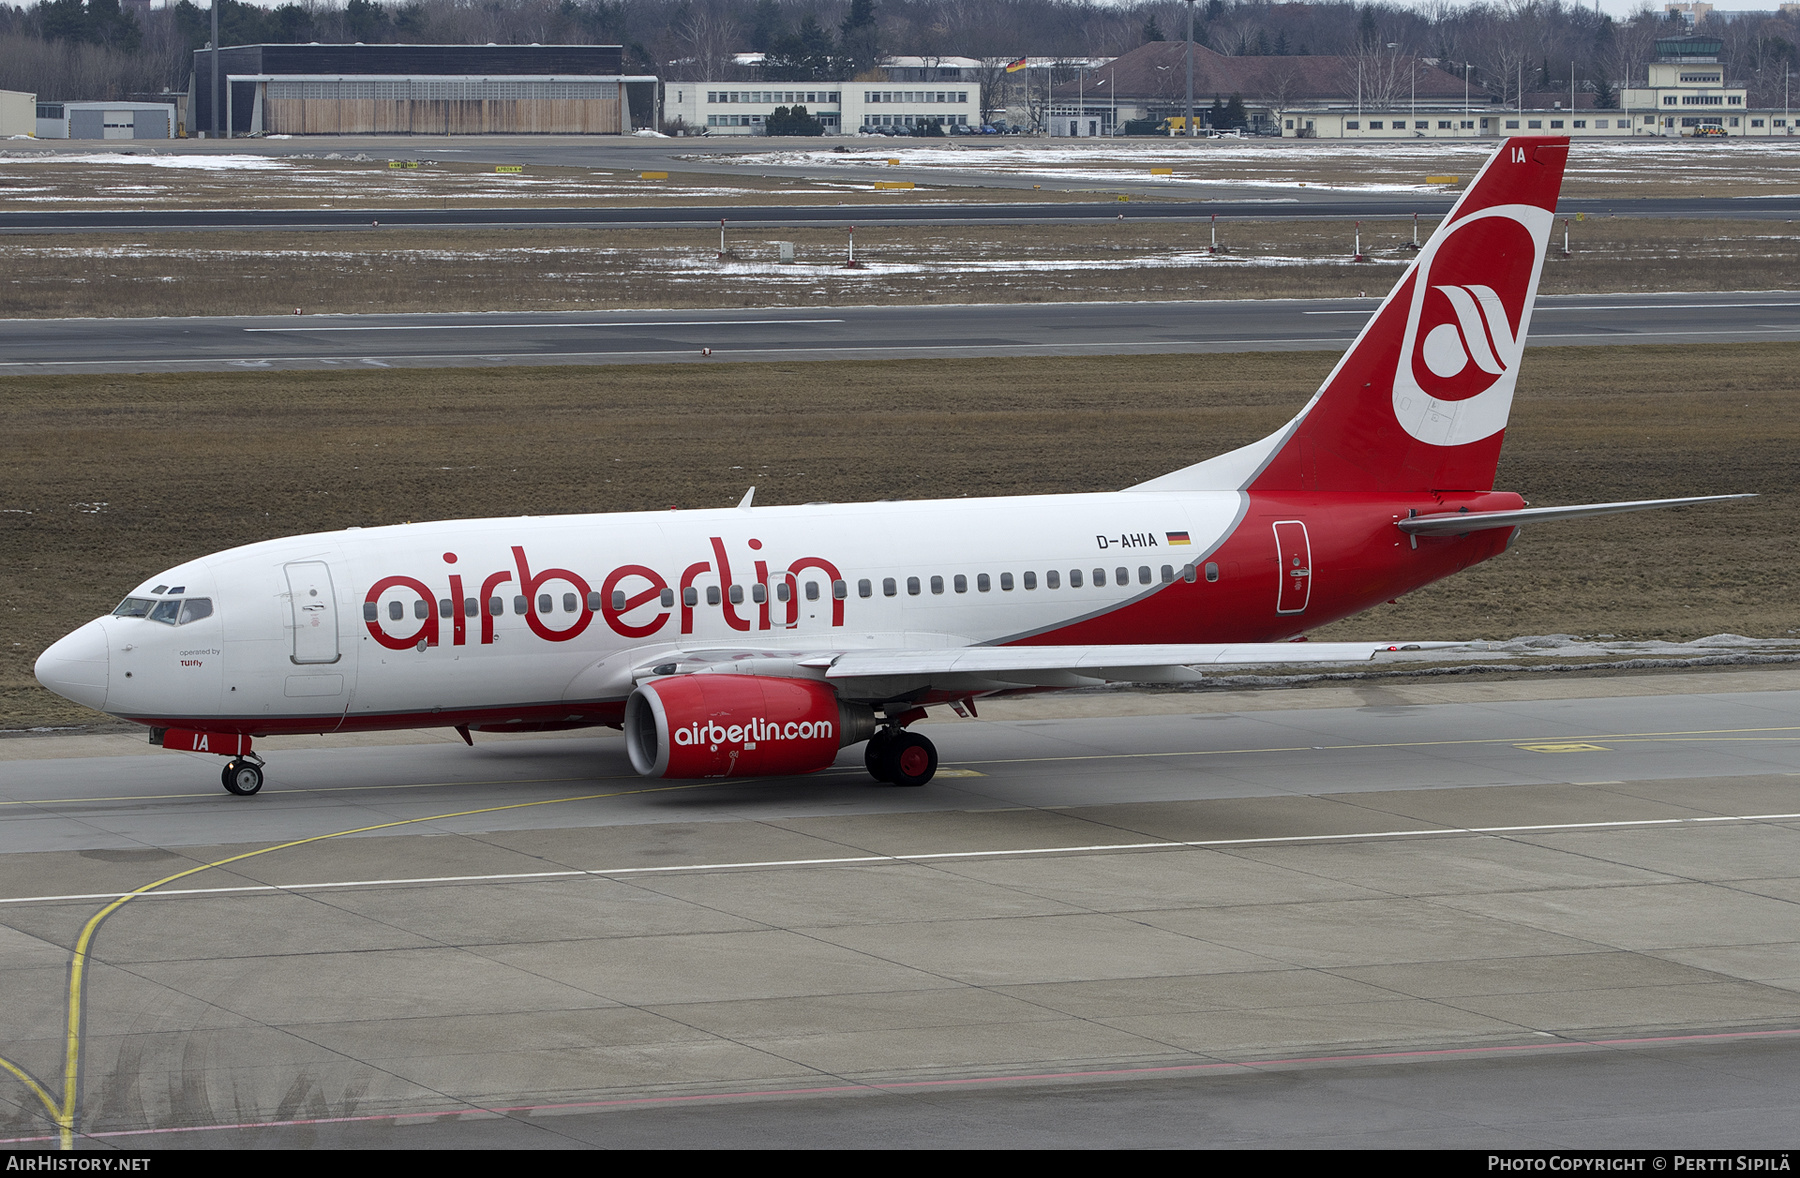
(417, 90)
(743, 108)
(1686, 92)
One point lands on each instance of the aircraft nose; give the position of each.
(74, 666)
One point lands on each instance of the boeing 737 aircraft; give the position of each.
(761, 640)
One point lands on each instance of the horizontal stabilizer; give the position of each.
(1462, 523)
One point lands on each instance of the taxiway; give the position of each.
(1548, 912)
(833, 333)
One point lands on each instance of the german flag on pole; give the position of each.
(1018, 65)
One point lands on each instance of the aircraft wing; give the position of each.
(1463, 522)
(872, 673)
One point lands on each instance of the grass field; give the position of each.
(111, 478)
(383, 270)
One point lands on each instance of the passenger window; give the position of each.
(1168, 573)
(195, 608)
(736, 593)
(139, 607)
(167, 611)
(863, 589)
(690, 596)
(496, 606)
(421, 609)
(812, 591)
(1143, 574)
(1212, 571)
(396, 611)
(618, 600)
(1121, 576)
(783, 591)
(840, 590)
(520, 605)
(961, 584)
(1188, 574)
(371, 611)
(759, 593)
(543, 603)
(443, 607)
(1074, 578)
(982, 583)
(593, 601)
(912, 586)
(1031, 580)
(712, 595)
(1100, 578)
(667, 597)
(1006, 582)
(569, 603)
(470, 607)
(1053, 580)
(937, 584)
(888, 588)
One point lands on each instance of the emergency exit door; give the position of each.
(1295, 554)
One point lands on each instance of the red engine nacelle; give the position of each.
(739, 726)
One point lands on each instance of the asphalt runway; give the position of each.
(1376, 206)
(1537, 913)
(716, 157)
(832, 333)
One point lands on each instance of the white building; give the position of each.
(743, 108)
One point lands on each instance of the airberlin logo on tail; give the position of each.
(1481, 334)
(1471, 293)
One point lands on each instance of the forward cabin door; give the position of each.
(1295, 554)
(314, 616)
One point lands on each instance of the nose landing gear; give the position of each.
(899, 757)
(243, 776)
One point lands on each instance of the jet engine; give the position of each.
(739, 726)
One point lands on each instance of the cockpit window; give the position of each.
(160, 590)
(134, 607)
(195, 608)
(166, 611)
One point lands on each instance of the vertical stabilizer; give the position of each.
(1419, 402)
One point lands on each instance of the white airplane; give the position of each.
(762, 640)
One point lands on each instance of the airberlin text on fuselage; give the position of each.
(628, 595)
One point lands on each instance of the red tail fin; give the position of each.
(1419, 402)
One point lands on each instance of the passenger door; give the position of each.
(314, 613)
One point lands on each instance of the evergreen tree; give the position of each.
(804, 56)
(1235, 115)
(858, 39)
(767, 29)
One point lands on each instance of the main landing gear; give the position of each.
(899, 757)
(243, 776)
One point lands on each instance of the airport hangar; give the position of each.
(417, 90)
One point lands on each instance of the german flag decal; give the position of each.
(1177, 537)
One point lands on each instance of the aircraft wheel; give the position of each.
(875, 754)
(242, 778)
(911, 759)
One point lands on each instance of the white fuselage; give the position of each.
(365, 626)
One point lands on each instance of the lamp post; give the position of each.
(215, 69)
(1190, 70)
